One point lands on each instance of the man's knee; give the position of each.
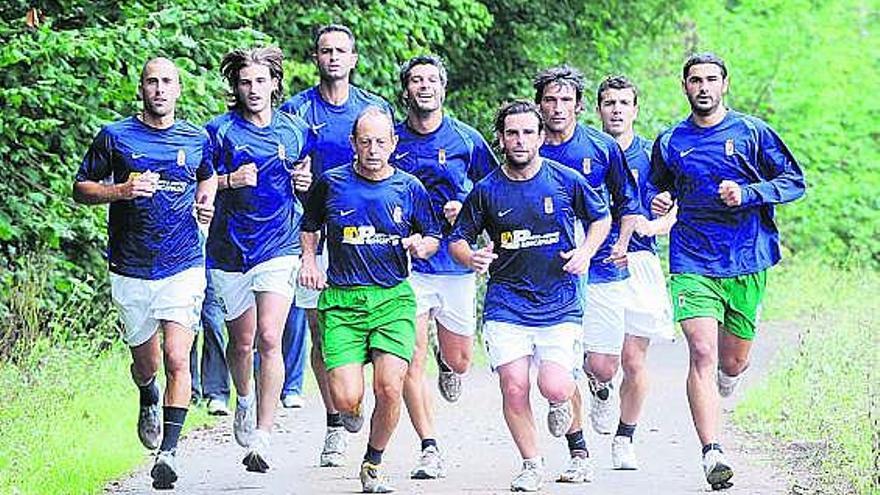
(633, 363)
(733, 365)
(603, 367)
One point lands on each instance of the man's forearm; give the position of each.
(596, 234)
(95, 193)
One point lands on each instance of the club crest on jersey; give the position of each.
(397, 214)
(548, 205)
(441, 156)
(282, 153)
(728, 147)
(181, 158)
(586, 165)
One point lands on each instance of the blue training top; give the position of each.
(598, 157)
(365, 221)
(255, 224)
(638, 157)
(156, 237)
(448, 161)
(530, 223)
(709, 237)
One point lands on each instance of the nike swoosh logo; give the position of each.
(505, 212)
(401, 156)
(343, 213)
(239, 147)
(135, 156)
(317, 127)
(685, 152)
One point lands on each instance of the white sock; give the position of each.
(246, 401)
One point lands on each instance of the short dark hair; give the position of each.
(517, 107)
(703, 58)
(617, 82)
(334, 28)
(427, 59)
(564, 75)
(234, 61)
(371, 110)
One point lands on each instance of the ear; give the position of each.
(725, 86)
(684, 86)
(351, 139)
(354, 62)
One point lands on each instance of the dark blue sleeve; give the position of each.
(206, 167)
(315, 207)
(424, 220)
(621, 183)
(469, 223)
(660, 177)
(588, 204)
(97, 166)
(782, 178)
(483, 160)
(305, 137)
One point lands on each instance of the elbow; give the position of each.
(77, 193)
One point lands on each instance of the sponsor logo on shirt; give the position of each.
(171, 186)
(728, 147)
(366, 235)
(504, 212)
(685, 152)
(318, 126)
(548, 205)
(523, 238)
(345, 213)
(401, 156)
(135, 156)
(441, 156)
(239, 147)
(586, 165)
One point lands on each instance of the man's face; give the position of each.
(255, 87)
(374, 142)
(521, 139)
(160, 88)
(424, 89)
(705, 88)
(335, 56)
(560, 107)
(618, 110)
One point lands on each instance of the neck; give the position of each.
(625, 139)
(424, 122)
(334, 91)
(559, 137)
(156, 121)
(524, 173)
(375, 175)
(259, 119)
(710, 119)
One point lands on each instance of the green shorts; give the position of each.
(356, 320)
(734, 301)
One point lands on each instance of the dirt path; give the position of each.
(481, 457)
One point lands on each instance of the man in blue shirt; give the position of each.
(374, 216)
(253, 246)
(638, 309)
(595, 155)
(532, 311)
(448, 157)
(726, 171)
(154, 171)
(330, 109)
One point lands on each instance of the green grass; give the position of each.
(821, 390)
(68, 421)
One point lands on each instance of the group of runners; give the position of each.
(379, 229)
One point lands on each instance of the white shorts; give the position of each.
(144, 303)
(507, 342)
(237, 291)
(308, 298)
(636, 306)
(450, 299)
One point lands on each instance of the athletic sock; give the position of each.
(149, 393)
(429, 442)
(711, 446)
(625, 430)
(172, 422)
(373, 455)
(246, 401)
(576, 443)
(334, 420)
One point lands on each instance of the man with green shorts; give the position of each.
(374, 215)
(726, 171)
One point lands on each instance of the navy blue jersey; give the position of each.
(331, 124)
(255, 224)
(638, 158)
(709, 237)
(448, 162)
(156, 237)
(365, 221)
(598, 157)
(530, 223)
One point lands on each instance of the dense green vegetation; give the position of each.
(806, 67)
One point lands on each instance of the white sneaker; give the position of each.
(335, 445)
(373, 480)
(530, 478)
(217, 407)
(245, 423)
(293, 401)
(727, 384)
(578, 470)
(164, 472)
(623, 454)
(255, 460)
(559, 418)
(718, 471)
(602, 413)
(430, 465)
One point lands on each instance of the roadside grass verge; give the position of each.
(822, 394)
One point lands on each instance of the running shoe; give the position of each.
(335, 444)
(430, 465)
